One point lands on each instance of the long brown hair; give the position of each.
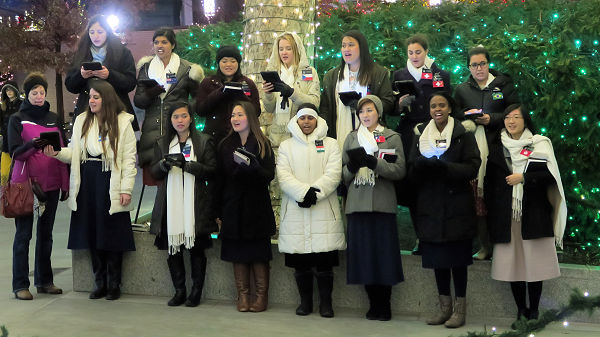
(366, 61)
(264, 146)
(108, 122)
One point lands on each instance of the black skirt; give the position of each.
(246, 251)
(373, 249)
(312, 260)
(445, 255)
(91, 225)
(162, 239)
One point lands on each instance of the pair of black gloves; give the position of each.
(170, 160)
(310, 198)
(432, 164)
(285, 90)
(39, 143)
(155, 90)
(359, 158)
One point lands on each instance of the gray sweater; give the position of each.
(382, 196)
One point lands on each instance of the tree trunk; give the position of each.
(198, 16)
(60, 107)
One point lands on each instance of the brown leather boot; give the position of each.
(51, 289)
(261, 279)
(445, 311)
(459, 315)
(24, 295)
(241, 272)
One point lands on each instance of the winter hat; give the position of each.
(10, 84)
(32, 80)
(229, 51)
(307, 109)
(370, 98)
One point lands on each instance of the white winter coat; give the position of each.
(122, 176)
(299, 166)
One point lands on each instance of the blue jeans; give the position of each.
(42, 276)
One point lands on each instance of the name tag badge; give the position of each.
(171, 78)
(526, 151)
(497, 94)
(438, 81)
(426, 74)
(307, 75)
(319, 145)
(100, 139)
(246, 89)
(441, 143)
(187, 149)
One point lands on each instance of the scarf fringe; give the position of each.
(517, 210)
(176, 241)
(364, 176)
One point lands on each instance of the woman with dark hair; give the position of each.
(526, 209)
(98, 43)
(246, 166)
(164, 80)
(102, 158)
(183, 217)
(443, 161)
(373, 159)
(215, 102)
(357, 73)
(52, 176)
(10, 102)
(483, 98)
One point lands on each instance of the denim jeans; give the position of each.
(43, 247)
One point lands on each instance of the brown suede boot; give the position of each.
(261, 279)
(460, 313)
(241, 272)
(445, 311)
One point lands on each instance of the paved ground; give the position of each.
(72, 314)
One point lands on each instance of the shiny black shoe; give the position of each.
(98, 293)
(113, 294)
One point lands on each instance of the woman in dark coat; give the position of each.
(10, 102)
(245, 211)
(175, 81)
(98, 43)
(483, 98)
(183, 216)
(526, 209)
(443, 161)
(215, 104)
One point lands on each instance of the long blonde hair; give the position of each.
(289, 38)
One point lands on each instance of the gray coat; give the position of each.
(382, 196)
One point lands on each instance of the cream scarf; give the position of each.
(366, 139)
(93, 145)
(428, 142)
(418, 72)
(345, 115)
(282, 116)
(181, 222)
(542, 148)
(158, 72)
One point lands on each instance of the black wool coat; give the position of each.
(204, 170)
(445, 205)
(244, 200)
(536, 208)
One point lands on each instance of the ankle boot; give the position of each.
(261, 279)
(178, 298)
(198, 274)
(445, 311)
(100, 274)
(385, 307)
(241, 273)
(459, 315)
(304, 280)
(373, 312)
(325, 282)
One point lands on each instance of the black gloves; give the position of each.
(357, 160)
(64, 195)
(432, 164)
(165, 165)
(353, 104)
(310, 198)
(284, 89)
(155, 91)
(39, 143)
(371, 161)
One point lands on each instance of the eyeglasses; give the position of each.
(477, 65)
(516, 118)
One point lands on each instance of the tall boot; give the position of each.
(325, 282)
(99, 269)
(445, 311)
(114, 261)
(485, 251)
(385, 307)
(261, 280)
(177, 270)
(304, 280)
(459, 315)
(241, 272)
(373, 312)
(198, 262)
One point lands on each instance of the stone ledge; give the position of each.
(145, 272)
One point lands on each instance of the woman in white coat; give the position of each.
(309, 168)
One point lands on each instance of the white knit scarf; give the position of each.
(344, 113)
(418, 72)
(181, 222)
(158, 72)
(92, 144)
(429, 144)
(542, 148)
(366, 139)
(282, 116)
(482, 145)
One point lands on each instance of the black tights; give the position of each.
(535, 293)
(319, 269)
(442, 279)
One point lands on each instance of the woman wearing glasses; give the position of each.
(483, 98)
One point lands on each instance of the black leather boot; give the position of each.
(373, 312)
(177, 270)
(99, 269)
(114, 260)
(325, 282)
(304, 281)
(385, 309)
(198, 262)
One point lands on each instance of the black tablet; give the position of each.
(91, 66)
(405, 87)
(270, 76)
(53, 139)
